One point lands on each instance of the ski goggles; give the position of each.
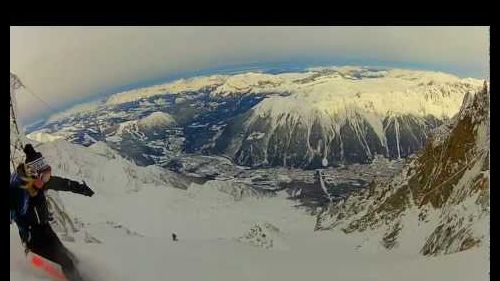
(37, 165)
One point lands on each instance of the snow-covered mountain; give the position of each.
(440, 202)
(156, 120)
(312, 119)
(228, 227)
(327, 116)
(341, 116)
(152, 139)
(152, 124)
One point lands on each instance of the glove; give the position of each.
(85, 189)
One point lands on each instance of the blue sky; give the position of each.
(69, 65)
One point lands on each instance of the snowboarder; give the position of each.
(174, 236)
(29, 210)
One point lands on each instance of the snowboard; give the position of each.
(50, 268)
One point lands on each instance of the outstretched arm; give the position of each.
(62, 184)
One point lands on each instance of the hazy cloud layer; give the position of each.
(66, 64)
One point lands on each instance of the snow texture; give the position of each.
(135, 210)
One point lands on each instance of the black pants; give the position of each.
(45, 243)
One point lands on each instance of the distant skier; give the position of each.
(28, 208)
(174, 236)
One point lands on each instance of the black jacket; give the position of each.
(29, 210)
(38, 212)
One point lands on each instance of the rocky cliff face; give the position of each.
(440, 202)
(299, 143)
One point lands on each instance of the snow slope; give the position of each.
(124, 232)
(40, 136)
